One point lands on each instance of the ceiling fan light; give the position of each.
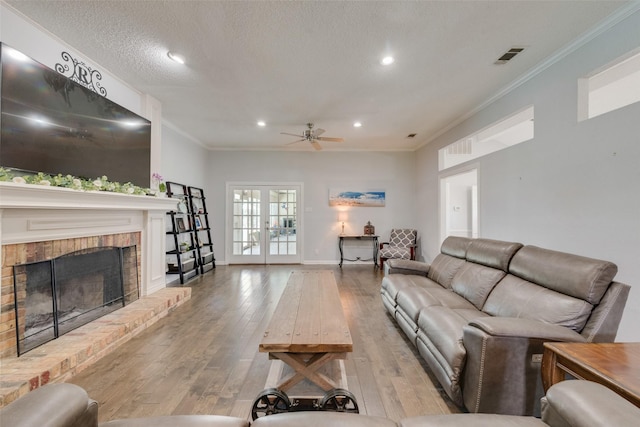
(175, 57)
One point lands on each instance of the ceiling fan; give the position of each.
(312, 136)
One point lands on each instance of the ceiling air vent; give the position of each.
(412, 135)
(508, 55)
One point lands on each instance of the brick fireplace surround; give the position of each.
(22, 253)
(39, 223)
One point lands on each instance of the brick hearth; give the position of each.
(60, 359)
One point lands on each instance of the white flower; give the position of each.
(44, 182)
(97, 183)
(77, 183)
(19, 180)
(130, 190)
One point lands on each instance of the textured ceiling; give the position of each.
(289, 63)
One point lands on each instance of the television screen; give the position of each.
(52, 124)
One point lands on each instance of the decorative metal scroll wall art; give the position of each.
(81, 73)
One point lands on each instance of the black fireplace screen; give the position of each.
(59, 295)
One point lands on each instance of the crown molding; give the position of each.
(611, 21)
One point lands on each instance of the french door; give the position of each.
(262, 224)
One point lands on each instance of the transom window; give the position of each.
(616, 86)
(505, 133)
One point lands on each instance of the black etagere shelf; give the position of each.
(202, 229)
(189, 247)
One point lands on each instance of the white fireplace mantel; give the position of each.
(30, 196)
(31, 213)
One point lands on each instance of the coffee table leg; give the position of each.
(305, 369)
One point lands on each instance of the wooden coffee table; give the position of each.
(614, 365)
(308, 329)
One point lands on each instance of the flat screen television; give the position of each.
(51, 124)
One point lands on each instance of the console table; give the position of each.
(614, 365)
(374, 240)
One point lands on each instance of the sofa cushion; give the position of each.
(400, 282)
(471, 420)
(443, 268)
(514, 297)
(578, 276)
(322, 419)
(412, 300)
(455, 246)
(179, 421)
(474, 282)
(492, 253)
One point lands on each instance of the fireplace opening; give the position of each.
(56, 296)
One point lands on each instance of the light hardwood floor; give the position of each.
(203, 357)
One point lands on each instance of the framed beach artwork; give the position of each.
(375, 199)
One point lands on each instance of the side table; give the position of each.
(374, 240)
(614, 365)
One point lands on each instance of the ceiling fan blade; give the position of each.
(315, 145)
(300, 140)
(319, 132)
(290, 134)
(325, 138)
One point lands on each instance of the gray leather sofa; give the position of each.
(567, 404)
(481, 311)
(59, 405)
(67, 405)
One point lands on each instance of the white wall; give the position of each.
(319, 171)
(183, 160)
(575, 187)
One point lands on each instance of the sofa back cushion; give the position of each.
(455, 246)
(515, 297)
(569, 274)
(492, 253)
(443, 268)
(474, 282)
(447, 263)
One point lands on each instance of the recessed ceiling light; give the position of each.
(357, 125)
(175, 57)
(261, 123)
(387, 60)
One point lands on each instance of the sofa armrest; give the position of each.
(525, 328)
(406, 266)
(577, 403)
(503, 360)
(52, 405)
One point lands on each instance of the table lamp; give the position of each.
(342, 217)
